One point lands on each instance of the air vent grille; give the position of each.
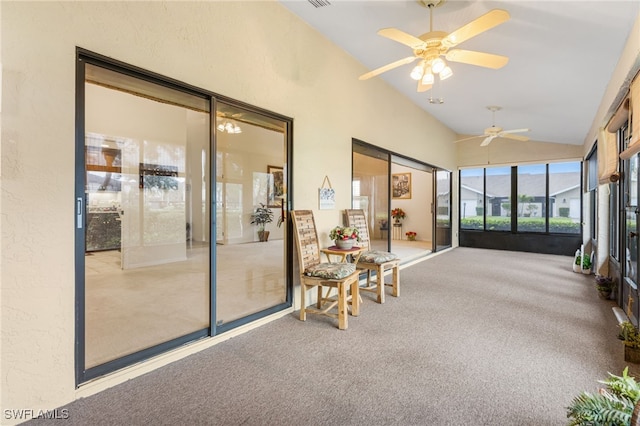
(319, 3)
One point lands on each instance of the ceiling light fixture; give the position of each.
(418, 71)
(437, 65)
(445, 73)
(434, 47)
(229, 127)
(426, 70)
(428, 78)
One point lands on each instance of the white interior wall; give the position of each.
(418, 208)
(508, 152)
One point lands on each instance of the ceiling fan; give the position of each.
(490, 133)
(429, 47)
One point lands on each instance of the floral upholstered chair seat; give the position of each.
(331, 271)
(377, 257)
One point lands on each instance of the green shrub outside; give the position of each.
(557, 225)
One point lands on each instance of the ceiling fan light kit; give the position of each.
(229, 127)
(432, 48)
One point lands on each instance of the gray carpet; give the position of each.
(477, 337)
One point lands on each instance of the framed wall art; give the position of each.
(276, 186)
(326, 195)
(401, 185)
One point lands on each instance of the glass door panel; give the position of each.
(147, 233)
(630, 285)
(443, 209)
(370, 184)
(251, 170)
(413, 192)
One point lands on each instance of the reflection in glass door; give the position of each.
(148, 279)
(251, 166)
(371, 192)
(412, 191)
(382, 182)
(630, 284)
(443, 209)
(146, 184)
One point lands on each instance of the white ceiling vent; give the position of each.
(319, 3)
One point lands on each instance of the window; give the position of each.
(471, 199)
(532, 196)
(564, 198)
(544, 194)
(497, 199)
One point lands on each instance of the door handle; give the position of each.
(79, 212)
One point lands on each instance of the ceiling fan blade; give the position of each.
(516, 131)
(477, 26)
(507, 135)
(481, 59)
(487, 140)
(423, 87)
(387, 67)
(401, 37)
(469, 138)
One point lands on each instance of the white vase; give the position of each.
(345, 244)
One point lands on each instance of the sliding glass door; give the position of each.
(371, 192)
(443, 209)
(147, 207)
(251, 164)
(147, 184)
(412, 191)
(384, 183)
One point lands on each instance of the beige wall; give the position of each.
(511, 152)
(256, 52)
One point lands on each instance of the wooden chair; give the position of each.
(374, 260)
(329, 276)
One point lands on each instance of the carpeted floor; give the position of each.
(477, 337)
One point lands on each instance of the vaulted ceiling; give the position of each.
(561, 58)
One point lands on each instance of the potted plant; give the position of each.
(631, 339)
(344, 236)
(586, 264)
(398, 214)
(577, 263)
(612, 405)
(261, 216)
(604, 285)
(411, 235)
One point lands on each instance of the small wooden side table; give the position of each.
(354, 252)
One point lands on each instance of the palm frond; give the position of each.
(602, 409)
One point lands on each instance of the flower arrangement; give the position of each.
(411, 235)
(398, 213)
(344, 233)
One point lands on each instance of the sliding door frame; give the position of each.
(83, 374)
(434, 169)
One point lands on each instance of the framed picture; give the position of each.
(401, 185)
(276, 186)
